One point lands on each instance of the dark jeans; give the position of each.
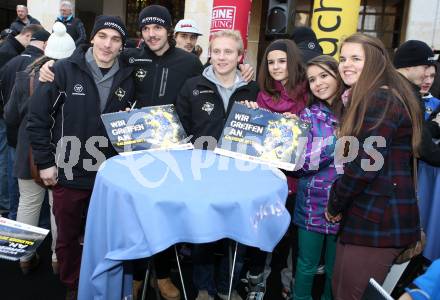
(204, 266)
(69, 207)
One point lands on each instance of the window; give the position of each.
(382, 19)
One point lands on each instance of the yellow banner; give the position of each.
(334, 20)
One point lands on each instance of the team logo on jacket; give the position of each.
(78, 90)
(120, 93)
(140, 74)
(208, 107)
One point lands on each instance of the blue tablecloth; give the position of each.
(143, 203)
(429, 204)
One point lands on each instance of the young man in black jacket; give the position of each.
(67, 136)
(203, 106)
(160, 67)
(411, 60)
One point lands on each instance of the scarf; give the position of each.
(285, 103)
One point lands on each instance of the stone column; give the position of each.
(115, 8)
(423, 22)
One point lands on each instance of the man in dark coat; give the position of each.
(75, 27)
(23, 19)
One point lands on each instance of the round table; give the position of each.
(145, 202)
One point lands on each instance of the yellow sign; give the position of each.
(334, 20)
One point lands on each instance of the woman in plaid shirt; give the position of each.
(375, 196)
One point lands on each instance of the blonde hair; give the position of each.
(232, 34)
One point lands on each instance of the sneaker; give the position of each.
(203, 295)
(28, 266)
(234, 296)
(167, 289)
(55, 267)
(320, 270)
(256, 287)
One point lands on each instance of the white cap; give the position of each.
(187, 25)
(60, 44)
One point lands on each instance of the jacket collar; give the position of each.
(32, 50)
(15, 43)
(169, 51)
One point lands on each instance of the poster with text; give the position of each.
(262, 136)
(18, 239)
(148, 128)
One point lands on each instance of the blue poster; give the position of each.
(262, 136)
(18, 239)
(148, 128)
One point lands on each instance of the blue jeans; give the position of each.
(204, 268)
(4, 196)
(12, 185)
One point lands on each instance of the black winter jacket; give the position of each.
(201, 109)
(7, 78)
(68, 109)
(75, 28)
(159, 79)
(9, 49)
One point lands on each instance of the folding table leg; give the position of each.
(180, 273)
(147, 277)
(232, 271)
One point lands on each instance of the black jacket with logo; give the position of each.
(158, 79)
(68, 108)
(200, 106)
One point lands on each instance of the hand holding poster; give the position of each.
(18, 239)
(262, 136)
(154, 127)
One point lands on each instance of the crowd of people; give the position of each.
(353, 225)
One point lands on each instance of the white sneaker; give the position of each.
(234, 296)
(203, 295)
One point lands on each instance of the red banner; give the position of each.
(229, 14)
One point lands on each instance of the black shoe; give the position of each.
(28, 266)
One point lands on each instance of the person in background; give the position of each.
(411, 60)
(59, 45)
(375, 196)
(23, 19)
(91, 82)
(75, 27)
(4, 34)
(14, 45)
(11, 47)
(426, 286)
(7, 76)
(316, 235)
(305, 39)
(431, 102)
(186, 34)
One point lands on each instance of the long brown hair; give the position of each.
(377, 72)
(295, 68)
(329, 65)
